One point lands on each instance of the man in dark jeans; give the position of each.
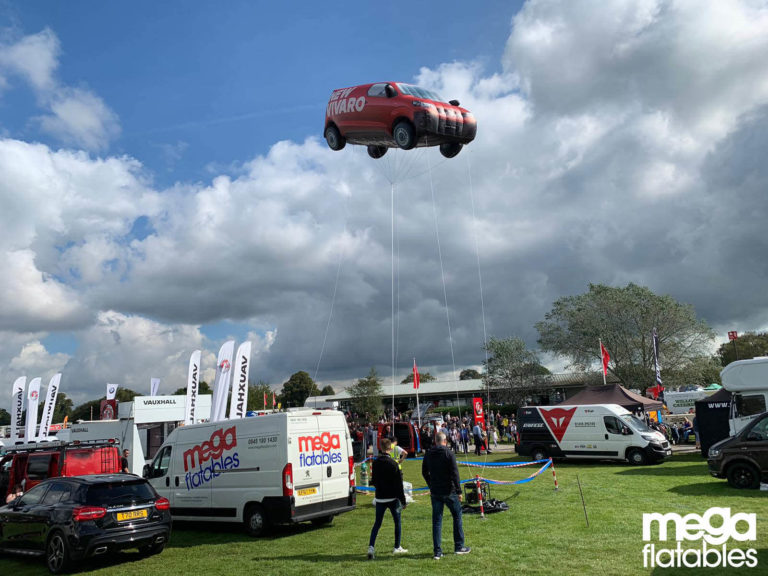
(388, 480)
(442, 475)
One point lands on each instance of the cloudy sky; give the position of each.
(164, 184)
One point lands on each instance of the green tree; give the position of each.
(748, 345)
(366, 394)
(423, 377)
(511, 368)
(624, 319)
(299, 387)
(701, 371)
(202, 388)
(470, 374)
(327, 391)
(5, 417)
(256, 395)
(63, 408)
(91, 410)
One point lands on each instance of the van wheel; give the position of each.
(334, 138)
(404, 135)
(322, 521)
(637, 457)
(539, 454)
(57, 553)
(450, 149)
(376, 152)
(255, 520)
(743, 476)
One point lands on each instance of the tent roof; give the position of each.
(613, 394)
(714, 386)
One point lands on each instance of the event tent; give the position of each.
(712, 415)
(613, 394)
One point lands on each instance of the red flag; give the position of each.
(274, 403)
(416, 380)
(606, 358)
(265, 400)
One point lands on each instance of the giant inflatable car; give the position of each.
(392, 114)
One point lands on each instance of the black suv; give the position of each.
(742, 458)
(67, 519)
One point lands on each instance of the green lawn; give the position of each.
(544, 532)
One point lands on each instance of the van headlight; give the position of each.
(650, 437)
(715, 452)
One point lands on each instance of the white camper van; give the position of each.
(747, 381)
(272, 469)
(594, 431)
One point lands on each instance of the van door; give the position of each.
(159, 470)
(615, 440)
(335, 474)
(744, 408)
(306, 454)
(190, 475)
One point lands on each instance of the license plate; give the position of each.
(133, 515)
(669, 452)
(307, 491)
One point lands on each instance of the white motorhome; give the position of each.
(321, 403)
(747, 381)
(272, 469)
(593, 431)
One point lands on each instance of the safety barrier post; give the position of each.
(553, 474)
(480, 497)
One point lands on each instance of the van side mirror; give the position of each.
(626, 431)
(453, 102)
(145, 471)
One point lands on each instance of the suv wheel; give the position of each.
(334, 138)
(404, 135)
(742, 475)
(152, 549)
(57, 553)
(255, 520)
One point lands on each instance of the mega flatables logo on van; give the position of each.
(558, 419)
(213, 449)
(322, 449)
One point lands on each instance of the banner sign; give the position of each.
(154, 386)
(239, 402)
(193, 383)
(108, 410)
(17, 407)
(50, 405)
(111, 391)
(477, 411)
(33, 399)
(221, 385)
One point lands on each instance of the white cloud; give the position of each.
(35, 58)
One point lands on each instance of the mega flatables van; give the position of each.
(595, 431)
(272, 469)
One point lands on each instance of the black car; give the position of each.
(743, 458)
(68, 519)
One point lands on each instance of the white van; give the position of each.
(272, 469)
(747, 381)
(594, 431)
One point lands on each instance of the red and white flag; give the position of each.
(265, 400)
(274, 402)
(416, 380)
(605, 357)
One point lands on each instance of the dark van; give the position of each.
(406, 433)
(743, 458)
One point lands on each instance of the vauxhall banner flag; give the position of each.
(154, 386)
(656, 357)
(17, 407)
(111, 391)
(50, 405)
(239, 403)
(416, 381)
(33, 398)
(221, 385)
(193, 382)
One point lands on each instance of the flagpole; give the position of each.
(602, 365)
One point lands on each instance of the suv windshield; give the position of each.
(112, 493)
(635, 423)
(412, 90)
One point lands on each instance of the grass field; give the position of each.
(544, 532)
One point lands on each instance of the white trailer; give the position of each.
(747, 380)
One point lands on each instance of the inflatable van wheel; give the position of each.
(539, 454)
(636, 457)
(743, 476)
(322, 521)
(255, 520)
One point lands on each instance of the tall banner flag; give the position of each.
(265, 400)
(656, 357)
(50, 405)
(605, 357)
(111, 391)
(274, 401)
(17, 407)
(477, 411)
(238, 405)
(193, 383)
(154, 386)
(416, 380)
(33, 398)
(221, 384)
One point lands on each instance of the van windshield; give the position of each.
(418, 92)
(635, 423)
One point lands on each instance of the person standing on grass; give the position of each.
(388, 481)
(441, 473)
